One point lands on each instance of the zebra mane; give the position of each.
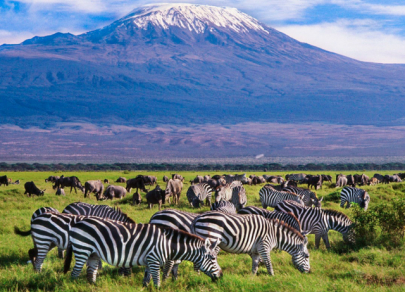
(335, 213)
(125, 215)
(296, 219)
(289, 228)
(168, 229)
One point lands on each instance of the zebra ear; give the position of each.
(215, 244)
(305, 240)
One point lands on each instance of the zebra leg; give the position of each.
(146, 278)
(81, 258)
(42, 251)
(255, 263)
(348, 205)
(92, 267)
(265, 255)
(326, 240)
(167, 269)
(125, 271)
(61, 253)
(317, 240)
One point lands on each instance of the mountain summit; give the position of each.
(185, 64)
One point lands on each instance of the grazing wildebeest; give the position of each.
(165, 179)
(93, 186)
(206, 178)
(136, 198)
(73, 182)
(395, 178)
(314, 181)
(149, 180)
(350, 180)
(177, 176)
(326, 177)
(31, 188)
(106, 181)
(136, 183)
(401, 175)
(246, 181)
(17, 182)
(379, 177)
(197, 180)
(216, 183)
(373, 181)
(173, 189)
(52, 178)
(121, 180)
(341, 180)
(274, 179)
(297, 177)
(3, 180)
(157, 196)
(60, 192)
(112, 192)
(217, 177)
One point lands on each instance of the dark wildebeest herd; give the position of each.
(95, 233)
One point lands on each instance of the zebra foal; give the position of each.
(127, 245)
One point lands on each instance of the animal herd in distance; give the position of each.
(173, 236)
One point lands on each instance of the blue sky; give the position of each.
(367, 30)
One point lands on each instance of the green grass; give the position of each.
(363, 270)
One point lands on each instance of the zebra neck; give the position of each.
(287, 241)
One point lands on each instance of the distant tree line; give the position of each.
(199, 167)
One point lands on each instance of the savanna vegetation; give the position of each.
(376, 263)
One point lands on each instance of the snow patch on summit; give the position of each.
(196, 18)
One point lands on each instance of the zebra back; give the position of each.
(309, 198)
(224, 206)
(43, 210)
(102, 211)
(269, 197)
(175, 219)
(354, 195)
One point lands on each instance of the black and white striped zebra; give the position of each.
(127, 245)
(319, 221)
(309, 198)
(288, 218)
(269, 197)
(198, 193)
(354, 195)
(254, 235)
(103, 211)
(43, 210)
(233, 192)
(224, 206)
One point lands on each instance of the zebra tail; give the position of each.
(20, 232)
(68, 259)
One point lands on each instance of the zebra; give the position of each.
(103, 211)
(255, 235)
(43, 210)
(234, 192)
(270, 197)
(196, 194)
(309, 198)
(319, 221)
(127, 245)
(297, 177)
(224, 206)
(288, 218)
(354, 195)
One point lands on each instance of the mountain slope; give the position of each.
(184, 64)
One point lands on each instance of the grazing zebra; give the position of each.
(224, 206)
(309, 198)
(254, 235)
(43, 210)
(288, 218)
(270, 197)
(319, 221)
(127, 245)
(103, 211)
(196, 194)
(354, 195)
(296, 177)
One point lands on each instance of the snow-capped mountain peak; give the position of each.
(196, 18)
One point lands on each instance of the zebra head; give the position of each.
(300, 259)
(208, 262)
(196, 203)
(364, 201)
(316, 202)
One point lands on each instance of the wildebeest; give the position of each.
(216, 183)
(231, 178)
(17, 182)
(156, 196)
(217, 176)
(112, 192)
(395, 178)
(297, 177)
(31, 188)
(257, 180)
(326, 177)
(93, 186)
(314, 181)
(60, 192)
(3, 180)
(121, 180)
(106, 181)
(350, 180)
(149, 180)
(173, 189)
(341, 180)
(136, 198)
(274, 179)
(197, 180)
(136, 183)
(373, 181)
(52, 178)
(73, 182)
(165, 178)
(177, 176)
(206, 178)
(379, 177)
(401, 175)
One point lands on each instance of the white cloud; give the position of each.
(357, 39)
(386, 9)
(8, 37)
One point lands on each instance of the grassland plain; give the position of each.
(368, 269)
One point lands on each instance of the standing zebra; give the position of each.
(288, 218)
(127, 245)
(196, 194)
(224, 206)
(354, 195)
(269, 197)
(309, 198)
(103, 211)
(234, 192)
(319, 221)
(254, 235)
(43, 210)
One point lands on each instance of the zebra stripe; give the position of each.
(43, 210)
(269, 197)
(289, 218)
(234, 192)
(103, 211)
(309, 198)
(175, 219)
(224, 206)
(354, 195)
(196, 194)
(254, 235)
(319, 221)
(127, 245)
